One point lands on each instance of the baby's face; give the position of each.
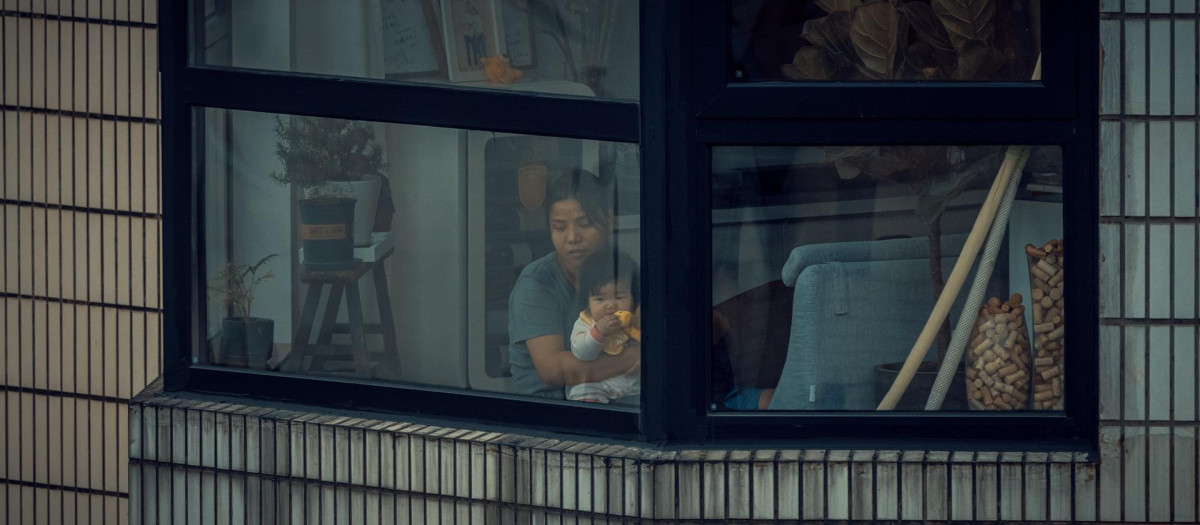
(608, 299)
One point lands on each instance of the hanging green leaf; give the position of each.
(966, 20)
(874, 31)
(831, 33)
(831, 6)
(809, 63)
(922, 19)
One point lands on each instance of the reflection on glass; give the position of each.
(909, 40)
(583, 47)
(419, 255)
(828, 261)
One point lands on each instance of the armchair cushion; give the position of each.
(855, 305)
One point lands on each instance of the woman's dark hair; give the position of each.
(594, 194)
(605, 266)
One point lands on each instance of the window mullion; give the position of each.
(511, 112)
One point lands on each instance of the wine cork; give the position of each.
(1056, 334)
(1055, 280)
(1047, 268)
(1040, 274)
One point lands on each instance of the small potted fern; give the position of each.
(338, 166)
(245, 340)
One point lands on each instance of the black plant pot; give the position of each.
(247, 342)
(327, 232)
(922, 384)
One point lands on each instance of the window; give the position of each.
(593, 217)
(425, 274)
(386, 196)
(828, 252)
(845, 189)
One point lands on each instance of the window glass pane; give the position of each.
(873, 40)
(824, 276)
(577, 47)
(444, 271)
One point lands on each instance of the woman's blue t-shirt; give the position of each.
(541, 303)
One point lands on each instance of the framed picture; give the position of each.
(412, 39)
(472, 32)
(519, 33)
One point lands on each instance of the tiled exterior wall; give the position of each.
(1148, 232)
(205, 462)
(214, 463)
(79, 234)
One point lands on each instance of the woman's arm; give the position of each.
(556, 366)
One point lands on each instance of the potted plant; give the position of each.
(918, 40)
(337, 164)
(245, 340)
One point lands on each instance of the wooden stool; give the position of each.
(339, 281)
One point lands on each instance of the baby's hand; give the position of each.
(609, 324)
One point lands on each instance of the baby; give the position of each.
(609, 322)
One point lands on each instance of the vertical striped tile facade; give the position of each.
(195, 461)
(1148, 288)
(79, 219)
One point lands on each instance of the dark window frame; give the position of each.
(1061, 111)
(676, 124)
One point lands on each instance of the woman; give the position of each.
(542, 307)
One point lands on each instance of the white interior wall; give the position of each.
(427, 274)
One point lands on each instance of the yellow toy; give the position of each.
(498, 69)
(627, 319)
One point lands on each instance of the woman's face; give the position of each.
(574, 236)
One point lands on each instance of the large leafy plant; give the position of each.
(319, 150)
(908, 40)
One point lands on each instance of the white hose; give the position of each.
(966, 320)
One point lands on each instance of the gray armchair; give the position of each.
(855, 305)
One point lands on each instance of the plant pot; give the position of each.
(326, 230)
(922, 384)
(246, 342)
(365, 193)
